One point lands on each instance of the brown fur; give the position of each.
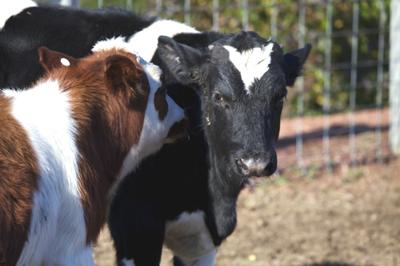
(18, 180)
(160, 103)
(178, 130)
(109, 111)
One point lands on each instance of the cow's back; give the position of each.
(67, 30)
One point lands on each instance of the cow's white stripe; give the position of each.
(57, 231)
(252, 64)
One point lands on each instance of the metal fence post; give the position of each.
(74, 3)
(353, 81)
(327, 86)
(300, 82)
(380, 80)
(395, 76)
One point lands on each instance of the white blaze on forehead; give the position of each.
(252, 64)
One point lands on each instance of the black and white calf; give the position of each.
(74, 32)
(66, 143)
(240, 84)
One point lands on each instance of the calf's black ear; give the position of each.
(293, 63)
(180, 60)
(50, 59)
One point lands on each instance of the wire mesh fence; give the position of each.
(347, 71)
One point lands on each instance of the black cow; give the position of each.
(68, 30)
(185, 195)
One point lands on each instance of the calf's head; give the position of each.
(136, 113)
(243, 80)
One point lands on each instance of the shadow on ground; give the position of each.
(330, 263)
(334, 131)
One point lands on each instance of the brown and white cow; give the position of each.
(64, 145)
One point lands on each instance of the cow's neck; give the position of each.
(102, 147)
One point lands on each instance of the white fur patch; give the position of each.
(188, 237)
(144, 43)
(206, 260)
(11, 8)
(252, 64)
(57, 234)
(126, 262)
(112, 43)
(258, 165)
(65, 62)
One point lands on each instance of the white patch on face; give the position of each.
(65, 62)
(144, 42)
(252, 64)
(188, 237)
(126, 262)
(57, 234)
(11, 8)
(154, 132)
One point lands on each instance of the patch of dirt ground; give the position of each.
(350, 216)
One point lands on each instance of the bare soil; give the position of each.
(350, 216)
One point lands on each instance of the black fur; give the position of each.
(68, 30)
